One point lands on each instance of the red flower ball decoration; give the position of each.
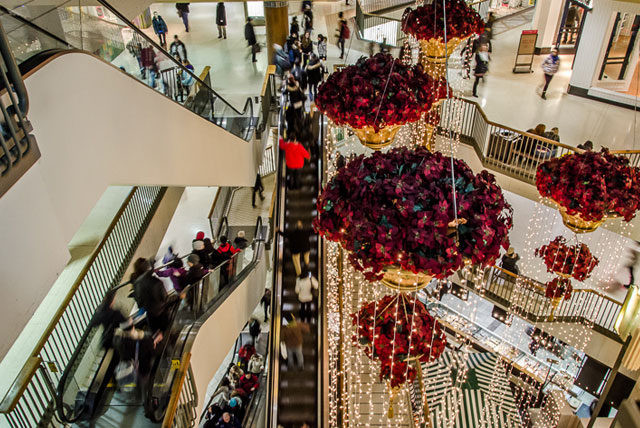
(394, 330)
(396, 209)
(574, 260)
(427, 22)
(558, 288)
(591, 184)
(356, 95)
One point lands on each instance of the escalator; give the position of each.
(88, 393)
(296, 392)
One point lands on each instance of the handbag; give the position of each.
(283, 350)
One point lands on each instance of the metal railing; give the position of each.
(505, 149)
(18, 148)
(32, 395)
(527, 298)
(181, 411)
(378, 28)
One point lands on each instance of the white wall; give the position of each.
(97, 127)
(547, 15)
(218, 334)
(594, 39)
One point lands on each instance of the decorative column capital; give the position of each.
(275, 4)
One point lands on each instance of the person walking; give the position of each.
(314, 75)
(257, 188)
(294, 28)
(550, 67)
(149, 293)
(178, 49)
(482, 66)
(160, 28)
(266, 302)
(240, 241)
(299, 244)
(322, 47)
(174, 272)
(250, 37)
(510, 260)
(295, 154)
(308, 19)
(183, 12)
(254, 330)
(305, 284)
(306, 46)
(292, 336)
(295, 110)
(343, 33)
(221, 20)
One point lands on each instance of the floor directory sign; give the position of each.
(526, 51)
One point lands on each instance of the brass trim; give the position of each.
(175, 391)
(271, 70)
(19, 385)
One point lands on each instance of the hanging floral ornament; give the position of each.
(590, 188)
(395, 331)
(394, 213)
(378, 95)
(427, 24)
(566, 261)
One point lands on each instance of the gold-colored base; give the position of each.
(434, 54)
(399, 279)
(555, 302)
(578, 224)
(377, 140)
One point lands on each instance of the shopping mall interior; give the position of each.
(320, 213)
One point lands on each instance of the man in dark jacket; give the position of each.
(149, 293)
(183, 12)
(178, 49)
(195, 273)
(160, 28)
(250, 36)
(299, 244)
(221, 20)
(225, 251)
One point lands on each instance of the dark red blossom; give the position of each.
(574, 260)
(427, 22)
(559, 287)
(394, 208)
(591, 184)
(356, 95)
(396, 329)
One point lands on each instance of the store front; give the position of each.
(503, 8)
(571, 25)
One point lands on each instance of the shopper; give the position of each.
(223, 394)
(292, 336)
(175, 271)
(195, 273)
(281, 60)
(322, 47)
(299, 243)
(199, 248)
(221, 20)
(256, 364)
(294, 28)
(183, 12)
(587, 145)
(482, 66)
(306, 46)
(178, 49)
(295, 53)
(149, 293)
(554, 134)
(314, 75)
(225, 251)
(295, 155)
(250, 37)
(257, 188)
(247, 384)
(240, 242)
(308, 19)
(266, 302)
(295, 110)
(109, 317)
(227, 420)
(305, 284)
(148, 58)
(186, 79)
(254, 330)
(550, 67)
(510, 260)
(160, 28)
(134, 46)
(631, 264)
(343, 33)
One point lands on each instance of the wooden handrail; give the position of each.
(10, 400)
(175, 391)
(271, 70)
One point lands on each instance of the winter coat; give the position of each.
(296, 96)
(200, 250)
(293, 333)
(294, 28)
(193, 275)
(551, 65)
(221, 15)
(178, 50)
(182, 8)
(254, 328)
(149, 293)
(304, 288)
(299, 240)
(295, 154)
(509, 263)
(482, 66)
(256, 364)
(240, 243)
(308, 20)
(314, 71)
(159, 26)
(148, 57)
(322, 49)
(174, 274)
(249, 34)
(247, 385)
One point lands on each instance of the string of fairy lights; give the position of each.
(358, 398)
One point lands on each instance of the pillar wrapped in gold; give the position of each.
(377, 140)
(555, 302)
(578, 224)
(400, 279)
(434, 54)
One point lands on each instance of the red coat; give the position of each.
(295, 154)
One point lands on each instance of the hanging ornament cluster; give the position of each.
(396, 330)
(590, 188)
(378, 95)
(440, 27)
(566, 261)
(394, 213)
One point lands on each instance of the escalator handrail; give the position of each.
(224, 222)
(30, 24)
(248, 104)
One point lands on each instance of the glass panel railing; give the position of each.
(102, 31)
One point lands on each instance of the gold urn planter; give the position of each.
(377, 140)
(400, 279)
(555, 302)
(434, 54)
(577, 224)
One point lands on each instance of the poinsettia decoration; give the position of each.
(559, 288)
(397, 208)
(574, 260)
(428, 21)
(591, 184)
(378, 91)
(395, 330)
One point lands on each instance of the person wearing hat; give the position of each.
(200, 249)
(240, 242)
(509, 261)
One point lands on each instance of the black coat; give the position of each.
(481, 66)
(149, 293)
(221, 15)
(249, 34)
(299, 240)
(182, 7)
